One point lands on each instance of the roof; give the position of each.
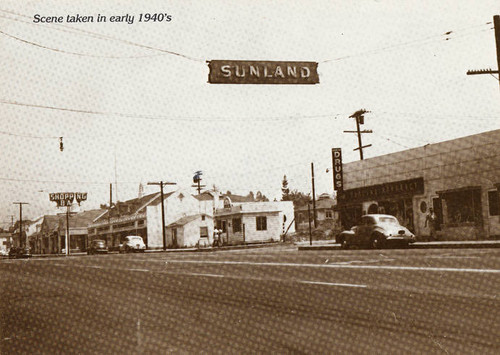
(238, 198)
(80, 220)
(50, 222)
(136, 204)
(185, 220)
(204, 196)
(323, 203)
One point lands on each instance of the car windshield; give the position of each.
(389, 220)
(135, 239)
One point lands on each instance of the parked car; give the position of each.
(18, 252)
(376, 231)
(132, 243)
(97, 246)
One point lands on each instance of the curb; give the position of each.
(420, 245)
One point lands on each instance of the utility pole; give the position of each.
(314, 196)
(309, 219)
(496, 22)
(197, 180)
(21, 224)
(360, 119)
(161, 183)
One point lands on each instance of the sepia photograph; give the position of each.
(243, 177)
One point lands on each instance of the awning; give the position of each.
(460, 189)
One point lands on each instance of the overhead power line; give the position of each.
(171, 118)
(106, 37)
(69, 52)
(449, 35)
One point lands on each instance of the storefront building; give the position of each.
(459, 179)
(143, 217)
(254, 222)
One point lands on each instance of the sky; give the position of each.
(133, 104)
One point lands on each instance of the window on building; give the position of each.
(236, 225)
(203, 232)
(203, 217)
(463, 206)
(494, 203)
(261, 223)
(329, 214)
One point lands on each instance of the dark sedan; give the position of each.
(97, 247)
(376, 231)
(20, 252)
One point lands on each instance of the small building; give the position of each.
(325, 213)
(191, 231)
(459, 179)
(254, 222)
(5, 242)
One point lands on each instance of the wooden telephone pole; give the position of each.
(21, 224)
(496, 22)
(161, 183)
(360, 119)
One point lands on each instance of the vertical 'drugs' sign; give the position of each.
(338, 183)
(262, 72)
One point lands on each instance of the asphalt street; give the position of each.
(268, 300)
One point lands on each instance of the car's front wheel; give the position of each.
(377, 241)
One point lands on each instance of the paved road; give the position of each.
(273, 300)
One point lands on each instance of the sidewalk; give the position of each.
(331, 245)
(177, 250)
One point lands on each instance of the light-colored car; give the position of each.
(132, 243)
(376, 231)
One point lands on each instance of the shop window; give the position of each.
(463, 206)
(236, 225)
(203, 232)
(261, 223)
(493, 203)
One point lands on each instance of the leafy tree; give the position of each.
(299, 198)
(260, 197)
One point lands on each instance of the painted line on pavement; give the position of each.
(331, 284)
(200, 274)
(340, 266)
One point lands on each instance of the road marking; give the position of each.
(341, 266)
(331, 284)
(200, 274)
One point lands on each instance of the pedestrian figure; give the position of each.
(431, 219)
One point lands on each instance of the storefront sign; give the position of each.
(66, 198)
(390, 189)
(338, 179)
(114, 220)
(262, 72)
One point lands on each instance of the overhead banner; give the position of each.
(338, 178)
(262, 72)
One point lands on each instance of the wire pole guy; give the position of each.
(360, 119)
(161, 183)
(496, 22)
(21, 224)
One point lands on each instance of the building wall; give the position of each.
(468, 161)
(175, 208)
(189, 234)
